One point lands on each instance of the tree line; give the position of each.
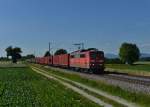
(128, 54)
(15, 54)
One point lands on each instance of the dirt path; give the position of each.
(114, 98)
(81, 92)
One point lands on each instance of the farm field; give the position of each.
(140, 68)
(22, 87)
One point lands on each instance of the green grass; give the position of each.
(9, 64)
(138, 98)
(130, 67)
(23, 87)
(143, 62)
(139, 69)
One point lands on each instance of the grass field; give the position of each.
(21, 87)
(138, 98)
(141, 68)
(9, 64)
(138, 67)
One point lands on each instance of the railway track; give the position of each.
(124, 81)
(139, 80)
(131, 79)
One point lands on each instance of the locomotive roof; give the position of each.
(85, 50)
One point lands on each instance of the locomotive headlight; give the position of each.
(92, 64)
(101, 64)
(101, 61)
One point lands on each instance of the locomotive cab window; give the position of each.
(72, 56)
(82, 56)
(96, 55)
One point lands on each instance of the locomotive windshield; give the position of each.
(96, 55)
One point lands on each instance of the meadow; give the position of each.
(22, 87)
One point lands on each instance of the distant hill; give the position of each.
(111, 56)
(144, 55)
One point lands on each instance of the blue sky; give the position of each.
(103, 24)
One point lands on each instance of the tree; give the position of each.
(61, 51)
(129, 53)
(30, 56)
(47, 53)
(15, 53)
(113, 61)
(9, 51)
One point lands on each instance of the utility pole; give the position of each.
(34, 53)
(49, 47)
(82, 44)
(79, 45)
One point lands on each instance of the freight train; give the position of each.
(91, 61)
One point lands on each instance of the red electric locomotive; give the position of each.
(87, 60)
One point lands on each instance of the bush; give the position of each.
(113, 61)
